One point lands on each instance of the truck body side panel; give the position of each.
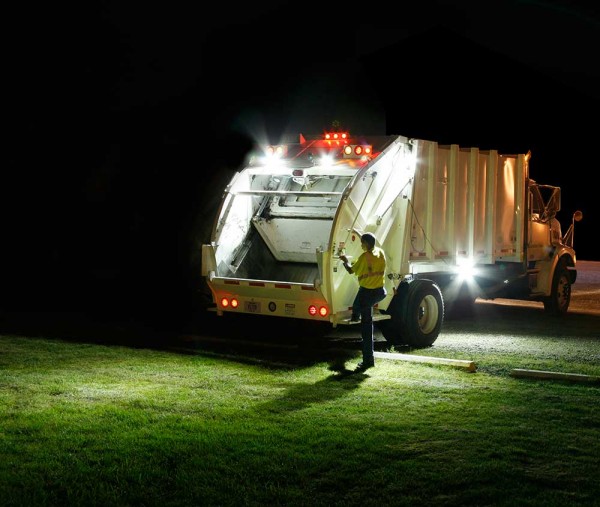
(465, 208)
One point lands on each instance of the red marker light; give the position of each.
(323, 311)
(336, 135)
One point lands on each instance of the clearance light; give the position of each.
(336, 136)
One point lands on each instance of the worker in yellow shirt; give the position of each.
(370, 270)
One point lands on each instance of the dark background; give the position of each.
(123, 122)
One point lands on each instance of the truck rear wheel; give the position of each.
(560, 298)
(424, 313)
(417, 312)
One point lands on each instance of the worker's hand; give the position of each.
(344, 259)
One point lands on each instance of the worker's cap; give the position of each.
(368, 239)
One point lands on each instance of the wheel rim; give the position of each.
(428, 314)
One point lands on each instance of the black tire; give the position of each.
(417, 312)
(560, 298)
(424, 313)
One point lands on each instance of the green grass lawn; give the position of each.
(95, 424)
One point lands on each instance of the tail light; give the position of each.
(226, 302)
(323, 311)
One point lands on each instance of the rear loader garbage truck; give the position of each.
(456, 224)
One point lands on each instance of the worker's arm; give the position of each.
(347, 266)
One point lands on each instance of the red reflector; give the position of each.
(298, 172)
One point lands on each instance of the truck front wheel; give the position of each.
(560, 298)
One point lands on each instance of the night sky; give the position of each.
(125, 122)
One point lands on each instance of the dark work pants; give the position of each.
(365, 300)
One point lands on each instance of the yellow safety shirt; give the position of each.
(370, 269)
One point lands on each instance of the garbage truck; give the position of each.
(455, 223)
